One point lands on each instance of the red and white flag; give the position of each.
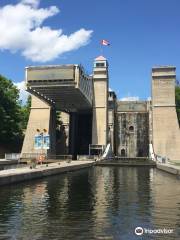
(105, 42)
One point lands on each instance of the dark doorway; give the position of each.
(84, 133)
(80, 133)
(123, 152)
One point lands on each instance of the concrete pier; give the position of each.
(170, 168)
(23, 174)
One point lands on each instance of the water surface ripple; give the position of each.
(96, 203)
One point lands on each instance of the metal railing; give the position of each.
(12, 156)
(161, 159)
(49, 157)
(86, 157)
(59, 157)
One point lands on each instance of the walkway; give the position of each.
(25, 173)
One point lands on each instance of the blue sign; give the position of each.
(46, 142)
(38, 142)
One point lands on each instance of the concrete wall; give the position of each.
(42, 116)
(50, 72)
(166, 132)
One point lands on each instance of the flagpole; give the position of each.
(101, 49)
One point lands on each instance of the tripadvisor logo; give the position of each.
(140, 231)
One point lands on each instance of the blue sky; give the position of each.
(142, 34)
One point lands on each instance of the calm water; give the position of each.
(98, 203)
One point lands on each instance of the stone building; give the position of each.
(132, 129)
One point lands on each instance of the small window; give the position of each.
(131, 128)
(100, 65)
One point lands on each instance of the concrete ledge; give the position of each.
(172, 169)
(8, 162)
(126, 164)
(129, 163)
(24, 174)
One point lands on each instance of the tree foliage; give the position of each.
(13, 116)
(178, 102)
(25, 110)
(10, 112)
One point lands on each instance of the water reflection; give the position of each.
(99, 203)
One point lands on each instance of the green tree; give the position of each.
(25, 110)
(10, 113)
(178, 102)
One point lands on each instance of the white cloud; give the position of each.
(23, 95)
(130, 98)
(34, 3)
(23, 30)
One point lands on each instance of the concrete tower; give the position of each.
(100, 104)
(42, 116)
(166, 132)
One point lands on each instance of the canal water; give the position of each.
(96, 203)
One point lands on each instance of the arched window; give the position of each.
(123, 152)
(131, 128)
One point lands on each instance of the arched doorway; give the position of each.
(123, 152)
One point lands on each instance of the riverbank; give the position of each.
(23, 174)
